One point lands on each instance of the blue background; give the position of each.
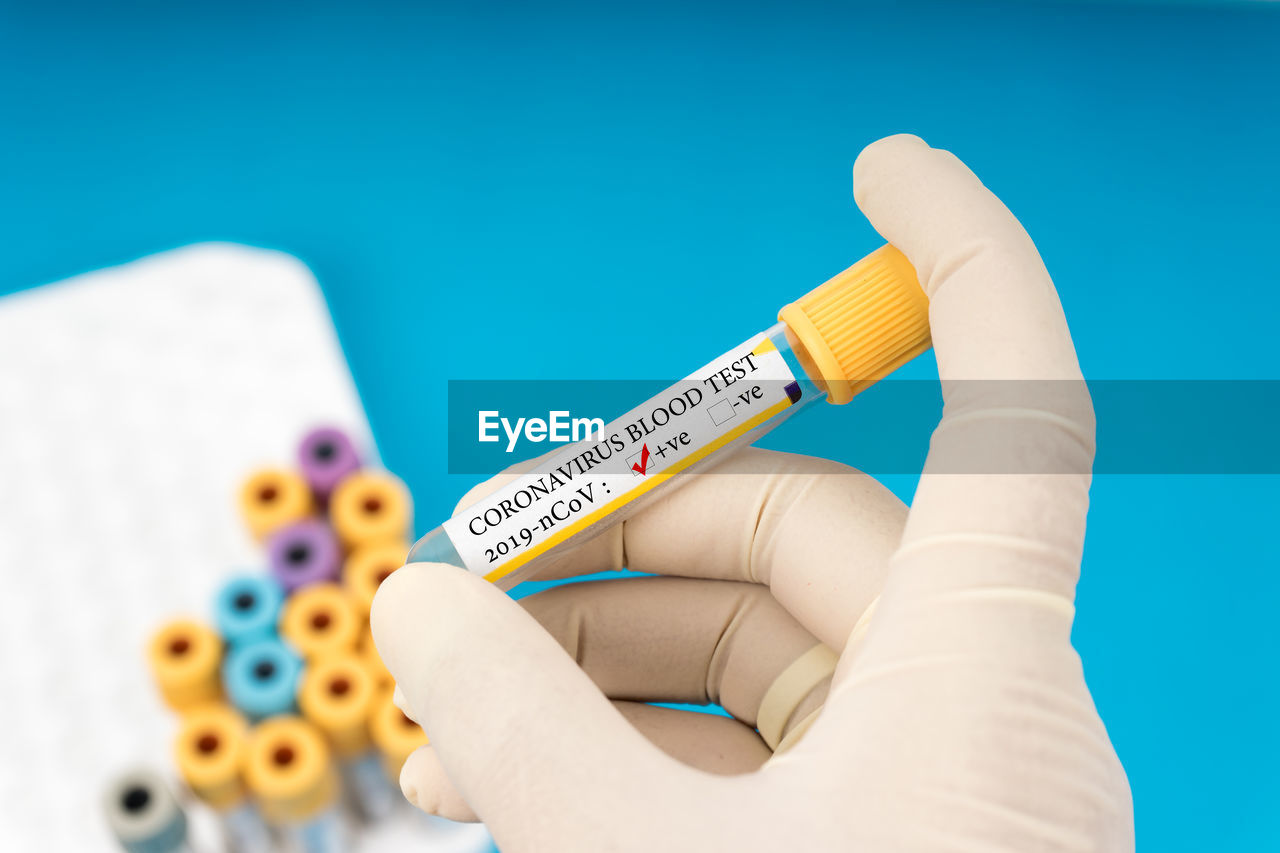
(494, 192)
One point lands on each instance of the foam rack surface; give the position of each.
(133, 402)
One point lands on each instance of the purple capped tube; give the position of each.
(304, 553)
(325, 456)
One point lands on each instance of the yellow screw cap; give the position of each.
(369, 506)
(366, 569)
(337, 695)
(209, 750)
(272, 498)
(289, 769)
(862, 324)
(395, 735)
(320, 620)
(184, 657)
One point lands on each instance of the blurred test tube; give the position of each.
(372, 661)
(367, 567)
(273, 497)
(290, 772)
(184, 657)
(247, 607)
(325, 456)
(261, 678)
(302, 554)
(320, 620)
(337, 695)
(394, 734)
(209, 753)
(143, 813)
(368, 507)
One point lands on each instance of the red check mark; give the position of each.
(644, 460)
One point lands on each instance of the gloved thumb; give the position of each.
(519, 728)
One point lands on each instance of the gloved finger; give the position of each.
(1018, 422)
(708, 742)
(990, 554)
(819, 534)
(426, 785)
(517, 726)
(692, 641)
(688, 641)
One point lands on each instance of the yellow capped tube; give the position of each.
(395, 735)
(337, 695)
(320, 620)
(209, 751)
(184, 656)
(369, 656)
(861, 325)
(830, 344)
(367, 567)
(289, 771)
(272, 498)
(368, 507)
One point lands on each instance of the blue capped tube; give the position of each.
(247, 608)
(261, 678)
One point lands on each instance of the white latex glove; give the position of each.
(957, 717)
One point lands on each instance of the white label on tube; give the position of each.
(587, 481)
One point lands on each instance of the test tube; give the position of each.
(337, 695)
(247, 608)
(370, 506)
(184, 656)
(367, 567)
(272, 498)
(143, 814)
(303, 553)
(320, 620)
(209, 753)
(261, 678)
(395, 735)
(830, 344)
(290, 772)
(326, 456)
(368, 653)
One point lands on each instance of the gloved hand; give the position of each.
(956, 716)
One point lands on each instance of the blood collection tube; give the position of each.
(209, 752)
(367, 567)
(247, 607)
(320, 620)
(829, 345)
(368, 654)
(261, 678)
(143, 814)
(303, 553)
(395, 735)
(290, 772)
(370, 506)
(325, 456)
(337, 695)
(184, 656)
(272, 498)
